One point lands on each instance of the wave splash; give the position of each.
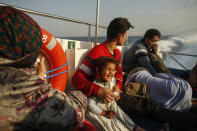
(185, 43)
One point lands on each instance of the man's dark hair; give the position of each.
(151, 33)
(116, 26)
(104, 60)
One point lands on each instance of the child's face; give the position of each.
(108, 72)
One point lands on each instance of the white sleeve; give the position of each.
(93, 107)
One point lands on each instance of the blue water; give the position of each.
(131, 39)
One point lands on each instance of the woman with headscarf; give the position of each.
(26, 101)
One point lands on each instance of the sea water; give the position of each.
(185, 43)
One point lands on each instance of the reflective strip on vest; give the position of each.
(86, 69)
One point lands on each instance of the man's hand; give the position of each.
(154, 46)
(108, 114)
(106, 95)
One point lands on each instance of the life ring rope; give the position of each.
(56, 68)
(55, 74)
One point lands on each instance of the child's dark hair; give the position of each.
(116, 26)
(104, 60)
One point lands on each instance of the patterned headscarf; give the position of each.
(20, 37)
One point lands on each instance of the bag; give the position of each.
(136, 101)
(136, 89)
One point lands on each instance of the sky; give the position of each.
(169, 16)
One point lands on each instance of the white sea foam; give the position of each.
(183, 43)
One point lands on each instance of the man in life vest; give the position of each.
(84, 76)
(143, 53)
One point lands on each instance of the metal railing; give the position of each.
(176, 53)
(67, 19)
(89, 29)
(58, 17)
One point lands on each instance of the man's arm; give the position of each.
(119, 75)
(144, 61)
(141, 54)
(80, 79)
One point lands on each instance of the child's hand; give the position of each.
(117, 98)
(117, 95)
(117, 89)
(140, 129)
(108, 114)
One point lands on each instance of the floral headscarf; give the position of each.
(20, 37)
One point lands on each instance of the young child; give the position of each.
(108, 116)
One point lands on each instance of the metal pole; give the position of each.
(89, 33)
(127, 40)
(97, 19)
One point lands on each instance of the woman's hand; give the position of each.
(41, 68)
(106, 95)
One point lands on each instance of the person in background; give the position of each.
(27, 102)
(174, 95)
(85, 74)
(104, 115)
(192, 78)
(166, 89)
(143, 53)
